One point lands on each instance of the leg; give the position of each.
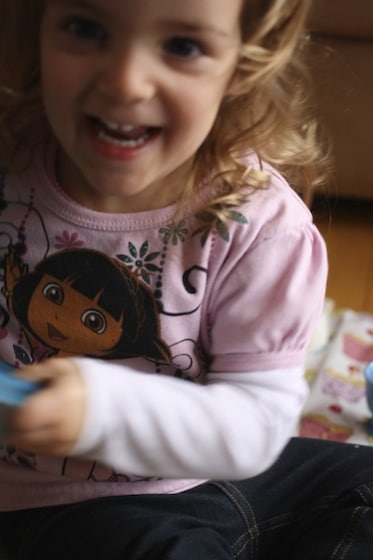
(314, 503)
(195, 525)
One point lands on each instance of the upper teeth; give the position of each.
(118, 127)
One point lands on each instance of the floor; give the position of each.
(347, 227)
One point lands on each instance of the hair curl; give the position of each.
(266, 109)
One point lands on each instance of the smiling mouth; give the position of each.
(123, 136)
(55, 334)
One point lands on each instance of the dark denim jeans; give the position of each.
(315, 503)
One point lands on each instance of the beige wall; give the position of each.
(343, 75)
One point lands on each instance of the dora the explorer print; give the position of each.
(81, 302)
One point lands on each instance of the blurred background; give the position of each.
(342, 72)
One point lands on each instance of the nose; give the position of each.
(127, 76)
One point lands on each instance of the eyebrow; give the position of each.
(78, 3)
(196, 27)
(75, 4)
(187, 27)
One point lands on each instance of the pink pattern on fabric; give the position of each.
(67, 240)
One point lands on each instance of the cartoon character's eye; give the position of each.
(94, 320)
(54, 293)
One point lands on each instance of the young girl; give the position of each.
(161, 280)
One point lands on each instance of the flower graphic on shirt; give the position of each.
(210, 221)
(11, 454)
(68, 241)
(140, 261)
(174, 232)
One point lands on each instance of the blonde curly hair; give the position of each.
(266, 110)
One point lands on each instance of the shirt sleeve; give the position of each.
(265, 300)
(152, 425)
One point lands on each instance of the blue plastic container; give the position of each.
(13, 391)
(368, 373)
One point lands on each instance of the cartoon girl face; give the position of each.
(70, 322)
(83, 302)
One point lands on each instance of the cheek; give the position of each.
(59, 80)
(49, 73)
(54, 101)
(197, 116)
(201, 103)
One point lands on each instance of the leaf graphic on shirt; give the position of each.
(212, 222)
(237, 217)
(174, 232)
(132, 249)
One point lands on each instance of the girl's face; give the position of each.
(131, 90)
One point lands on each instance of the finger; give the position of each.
(42, 444)
(42, 372)
(46, 439)
(40, 410)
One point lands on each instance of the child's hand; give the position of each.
(51, 419)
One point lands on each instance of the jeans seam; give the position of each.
(249, 527)
(256, 529)
(240, 550)
(287, 518)
(347, 539)
(362, 491)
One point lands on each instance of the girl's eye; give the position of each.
(84, 28)
(54, 293)
(94, 321)
(183, 47)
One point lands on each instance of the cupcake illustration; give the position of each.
(348, 386)
(318, 426)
